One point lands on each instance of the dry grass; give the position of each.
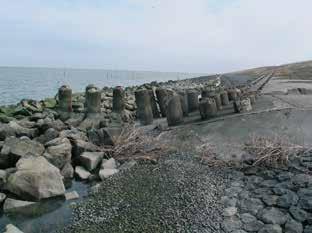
(136, 143)
(272, 151)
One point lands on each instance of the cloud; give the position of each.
(170, 35)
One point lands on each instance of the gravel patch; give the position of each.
(178, 194)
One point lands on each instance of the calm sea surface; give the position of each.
(18, 83)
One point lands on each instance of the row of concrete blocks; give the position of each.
(177, 105)
(92, 99)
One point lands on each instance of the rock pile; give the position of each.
(267, 200)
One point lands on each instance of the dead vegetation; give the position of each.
(272, 151)
(136, 143)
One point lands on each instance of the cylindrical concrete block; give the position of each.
(118, 100)
(192, 99)
(224, 98)
(207, 108)
(252, 98)
(207, 93)
(144, 109)
(218, 101)
(93, 100)
(184, 102)
(90, 86)
(65, 99)
(162, 96)
(156, 113)
(174, 111)
(232, 93)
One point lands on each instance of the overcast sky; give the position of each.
(167, 35)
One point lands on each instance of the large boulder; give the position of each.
(15, 148)
(58, 152)
(36, 179)
(90, 160)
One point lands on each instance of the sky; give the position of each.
(204, 36)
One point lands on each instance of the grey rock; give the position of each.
(305, 201)
(271, 229)
(273, 216)
(285, 176)
(293, 226)
(268, 183)
(12, 229)
(233, 191)
(71, 196)
(287, 200)
(90, 160)
(58, 152)
(48, 135)
(22, 131)
(230, 211)
(16, 148)
(251, 205)
(308, 229)
(2, 198)
(80, 146)
(3, 178)
(229, 201)
(105, 136)
(36, 179)
(251, 223)
(298, 213)
(12, 205)
(67, 171)
(270, 200)
(302, 180)
(107, 172)
(74, 134)
(231, 224)
(82, 173)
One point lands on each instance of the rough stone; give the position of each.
(36, 179)
(293, 226)
(287, 200)
(15, 148)
(251, 205)
(273, 216)
(80, 146)
(251, 223)
(231, 224)
(12, 229)
(67, 171)
(298, 214)
(12, 205)
(71, 195)
(230, 211)
(82, 173)
(2, 198)
(90, 160)
(271, 229)
(59, 152)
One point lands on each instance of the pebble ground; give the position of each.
(178, 194)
